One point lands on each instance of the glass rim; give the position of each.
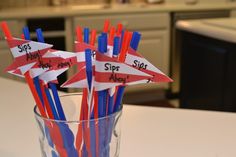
(38, 115)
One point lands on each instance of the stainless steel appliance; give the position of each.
(175, 41)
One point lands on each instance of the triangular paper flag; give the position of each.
(79, 80)
(137, 61)
(51, 75)
(80, 48)
(109, 70)
(21, 47)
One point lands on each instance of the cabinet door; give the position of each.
(150, 21)
(204, 72)
(154, 46)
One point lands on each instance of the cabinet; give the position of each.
(154, 44)
(208, 73)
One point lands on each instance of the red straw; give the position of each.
(27, 75)
(106, 26)
(30, 82)
(119, 29)
(46, 103)
(93, 37)
(125, 45)
(22, 36)
(79, 34)
(111, 36)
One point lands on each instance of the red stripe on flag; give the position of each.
(118, 78)
(15, 42)
(32, 57)
(104, 58)
(79, 47)
(133, 52)
(81, 75)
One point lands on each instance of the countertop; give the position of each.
(219, 28)
(146, 131)
(67, 11)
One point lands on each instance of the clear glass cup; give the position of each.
(74, 138)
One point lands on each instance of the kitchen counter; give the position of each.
(220, 28)
(146, 131)
(39, 12)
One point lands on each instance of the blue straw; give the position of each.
(89, 74)
(111, 119)
(133, 44)
(67, 135)
(36, 79)
(86, 35)
(57, 101)
(89, 68)
(51, 103)
(116, 48)
(37, 86)
(102, 95)
(53, 87)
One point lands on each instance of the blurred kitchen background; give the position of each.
(163, 43)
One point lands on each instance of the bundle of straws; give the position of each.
(103, 73)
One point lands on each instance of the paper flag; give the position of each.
(80, 48)
(51, 75)
(109, 71)
(56, 62)
(48, 66)
(79, 80)
(137, 61)
(26, 53)
(20, 47)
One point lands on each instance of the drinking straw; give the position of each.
(110, 120)
(28, 78)
(89, 74)
(61, 114)
(126, 37)
(93, 37)
(85, 109)
(50, 132)
(119, 29)
(47, 98)
(115, 54)
(133, 44)
(106, 26)
(67, 135)
(111, 36)
(124, 46)
(79, 34)
(79, 136)
(92, 42)
(94, 114)
(102, 95)
(26, 35)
